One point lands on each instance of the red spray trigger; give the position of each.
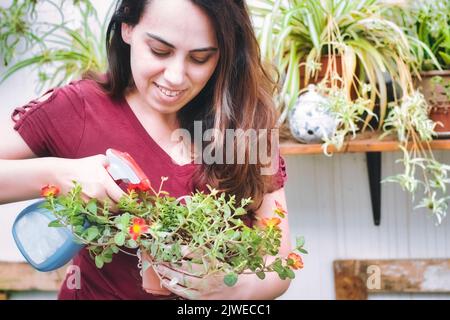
(121, 166)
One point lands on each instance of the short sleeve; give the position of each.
(278, 180)
(54, 124)
(281, 175)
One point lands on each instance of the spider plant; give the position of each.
(429, 22)
(414, 130)
(15, 28)
(62, 53)
(301, 32)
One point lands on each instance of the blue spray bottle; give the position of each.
(47, 248)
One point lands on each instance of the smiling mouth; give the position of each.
(169, 93)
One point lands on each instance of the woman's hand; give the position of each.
(185, 282)
(188, 279)
(91, 174)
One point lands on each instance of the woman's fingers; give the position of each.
(113, 191)
(191, 253)
(191, 268)
(179, 277)
(95, 180)
(187, 267)
(183, 292)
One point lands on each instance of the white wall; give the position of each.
(329, 203)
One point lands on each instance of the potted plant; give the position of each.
(348, 115)
(16, 22)
(350, 42)
(429, 22)
(423, 115)
(410, 123)
(203, 229)
(59, 53)
(361, 46)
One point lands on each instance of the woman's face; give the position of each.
(173, 53)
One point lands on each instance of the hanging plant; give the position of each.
(59, 53)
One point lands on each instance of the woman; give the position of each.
(170, 63)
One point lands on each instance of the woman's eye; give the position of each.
(199, 60)
(160, 53)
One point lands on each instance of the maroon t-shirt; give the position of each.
(80, 120)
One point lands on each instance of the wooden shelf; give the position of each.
(370, 144)
(20, 276)
(364, 142)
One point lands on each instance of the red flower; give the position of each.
(271, 222)
(49, 191)
(137, 228)
(132, 187)
(143, 186)
(295, 261)
(280, 211)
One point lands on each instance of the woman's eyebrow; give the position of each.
(155, 37)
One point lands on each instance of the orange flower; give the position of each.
(271, 222)
(49, 191)
(295, 261)
(143, 186)
(137, 228)
(280, 211)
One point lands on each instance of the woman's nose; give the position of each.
(175, 73)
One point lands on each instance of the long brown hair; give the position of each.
(238, 95)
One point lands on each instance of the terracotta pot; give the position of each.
(436, 97)
(442, 115)
(150, 280)
(320, 74)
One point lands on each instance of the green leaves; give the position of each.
(289, 273)
(230, 279)
(60, 53)
(300, 242)
(351, 43)
(132, 244)
(284, 271)
(347, 115)
(114, 249)
(240, 212)
(410, 122)
(91, 233)
(427, 24)
(92, 206)
(122, 221)
(99, 262)
(302, 250)
(56, 224)
(105, 255)
(119, 239)
(205, 229)
(15, 28)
